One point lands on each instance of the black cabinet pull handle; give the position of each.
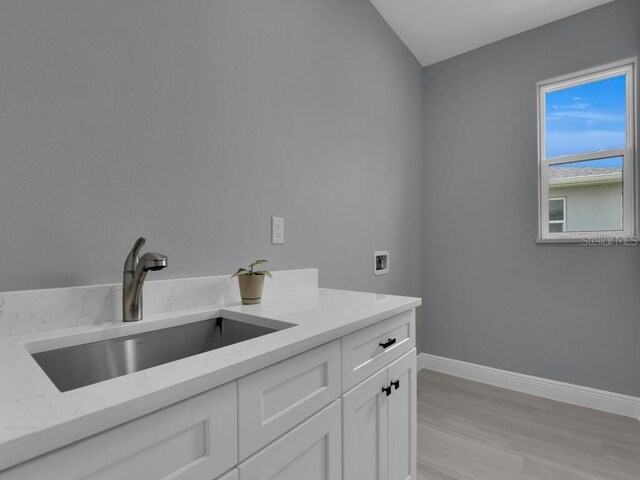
(396, 384)
(387, 390)
(388, 344)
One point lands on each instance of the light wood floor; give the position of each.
(472, 431)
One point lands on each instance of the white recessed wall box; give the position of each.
(380, 263)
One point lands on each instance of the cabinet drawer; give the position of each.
(277, 398)
(311, 451)
(364, 352)
(191, 440)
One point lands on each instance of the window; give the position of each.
(557, 209)
(586, 155)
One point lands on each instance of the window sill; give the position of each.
(598, 241)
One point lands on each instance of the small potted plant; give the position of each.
(251, 282)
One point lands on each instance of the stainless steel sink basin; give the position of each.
(74, 367)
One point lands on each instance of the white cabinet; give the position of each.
(284, 422)
(402, 418)
(191, 440)
(273, 400)
(311, 451)
(365, 429)
(379, 424)
(368, 350)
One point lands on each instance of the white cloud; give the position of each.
(573, 106)
(589, 116)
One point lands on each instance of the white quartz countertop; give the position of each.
(36, 418)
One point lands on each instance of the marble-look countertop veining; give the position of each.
(36, 418)
(29, 311)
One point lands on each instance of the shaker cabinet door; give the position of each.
(311, 451)
(402, 418)
(365, 430)
(191, 440)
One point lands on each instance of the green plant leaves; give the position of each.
(241, 271)
(249, 271)
(263, 272)
(257, 262)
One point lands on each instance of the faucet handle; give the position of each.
(132, 259)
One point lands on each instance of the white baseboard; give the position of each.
(541, 387)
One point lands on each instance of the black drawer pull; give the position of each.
(387, 390)
(396, 384)
(388, 344)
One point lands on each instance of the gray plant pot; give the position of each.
(251, 288)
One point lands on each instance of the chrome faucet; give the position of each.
(135, 271)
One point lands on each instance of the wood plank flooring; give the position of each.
(472, 431)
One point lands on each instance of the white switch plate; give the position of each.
(277, 230)
(380, 263)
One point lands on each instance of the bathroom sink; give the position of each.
(74, 367)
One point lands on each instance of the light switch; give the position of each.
(277, 230)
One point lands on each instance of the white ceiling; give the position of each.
(435, 30)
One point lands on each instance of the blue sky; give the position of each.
(587, 118)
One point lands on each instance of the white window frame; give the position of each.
(628, 153)
(564, 212)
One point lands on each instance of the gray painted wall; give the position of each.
(491, 295)
(192, 123)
